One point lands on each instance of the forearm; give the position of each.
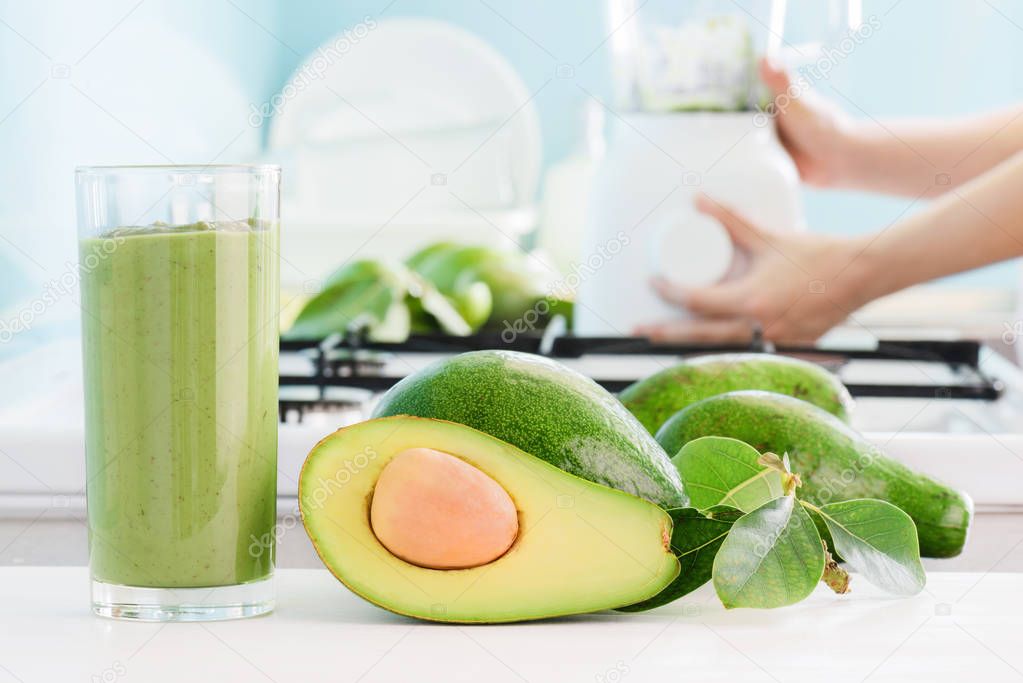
(975, 225)
(927, 158)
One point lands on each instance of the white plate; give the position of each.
(409, 84)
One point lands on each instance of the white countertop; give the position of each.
(964, 627)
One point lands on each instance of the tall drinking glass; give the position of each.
(179, 281)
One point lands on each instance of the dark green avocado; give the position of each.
(547, 410)
(654, 399)
(835, 462)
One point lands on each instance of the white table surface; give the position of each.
(965, 627)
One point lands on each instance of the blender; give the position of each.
(688, 118)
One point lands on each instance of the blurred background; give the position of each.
(528, 83)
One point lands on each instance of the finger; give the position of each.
(743, 233)
(784, 330)
(720, 301)
(774, 76)
(699, 330)
(673, 294)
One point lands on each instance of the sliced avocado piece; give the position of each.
(834, 462)
(547, 410)
(579, 547)
(656, 398)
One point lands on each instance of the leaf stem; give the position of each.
(836, 578)
(812, 507)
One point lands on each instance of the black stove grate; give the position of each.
(353, 362)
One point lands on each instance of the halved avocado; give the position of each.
(580, 546)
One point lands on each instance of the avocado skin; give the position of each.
(654, 399)
(544, 409)
(834, 462)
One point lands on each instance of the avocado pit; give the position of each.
(435, 510)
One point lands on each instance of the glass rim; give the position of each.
(110, 169)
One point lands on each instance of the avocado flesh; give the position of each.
(656, 398)
(834, 462)
(581, 547)
(547, 410)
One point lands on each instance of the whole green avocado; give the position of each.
(547, 410)
(656, 398)
(834, 462)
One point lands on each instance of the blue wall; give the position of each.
(175, 79)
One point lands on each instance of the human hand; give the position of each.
(797, 287)
(817, 134)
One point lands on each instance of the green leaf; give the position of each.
(474, 302)
(563, 308)
(724, 513)
(771, 558)
(822, 529)
(789, 480)
(363, 269)
(695, 540)
(773, 461)
(362, 294)
(716, 470)
(395, 327)
(879, 541)
(429, 253)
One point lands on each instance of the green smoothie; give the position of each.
(180, 345)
